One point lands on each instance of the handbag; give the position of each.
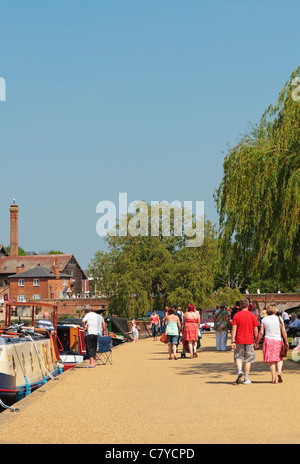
(163, 338)
(284, 349)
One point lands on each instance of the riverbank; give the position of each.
(143, 397)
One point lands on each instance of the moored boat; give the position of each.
(28, 358)
(71, 343)
(117, 339)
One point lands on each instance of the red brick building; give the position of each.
(65, 265)
(39, 283)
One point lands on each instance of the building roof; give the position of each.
(38, 272)
(3, 251)
(9, 264)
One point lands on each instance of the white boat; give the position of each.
(71, 342)
(71, 360)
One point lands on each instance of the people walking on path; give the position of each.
(179, 313)
(191, 321)
(221, 326)
(155, 324)
(173, 328)
(244, 334)
(235, 310)
(272, 327)
(256, 310)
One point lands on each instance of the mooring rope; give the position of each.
(40, 358)
(11, 408)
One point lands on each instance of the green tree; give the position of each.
(142, 272)
(21, 251)
(258, 199)
(225, 295)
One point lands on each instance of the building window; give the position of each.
(36, 297)
(21, 298)
(21, 283)
(64, 282)
(36, 282)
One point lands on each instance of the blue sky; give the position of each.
(128, 96)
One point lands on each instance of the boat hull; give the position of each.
(72, 349)
(71, 360)
(25, 365)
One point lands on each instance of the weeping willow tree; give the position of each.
(258, 199)
(140, 272)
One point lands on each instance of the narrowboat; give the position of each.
(29, 356)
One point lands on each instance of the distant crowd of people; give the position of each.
(248, 325)
(246, 322)
(178, 326)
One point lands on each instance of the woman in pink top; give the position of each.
(191, 321)
(155, 324)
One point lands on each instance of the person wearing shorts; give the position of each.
(243, 336)
(173, 328)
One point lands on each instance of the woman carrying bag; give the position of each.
(275, 342)
(172, 331)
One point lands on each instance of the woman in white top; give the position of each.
(274, 330)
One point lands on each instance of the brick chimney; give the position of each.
(14, 242)
(55, 269)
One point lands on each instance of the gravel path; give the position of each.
(143, 397)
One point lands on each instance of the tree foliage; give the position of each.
(21, 251)
(258, 199)
(144, 272)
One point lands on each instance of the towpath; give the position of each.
(143, 397)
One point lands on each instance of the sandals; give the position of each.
(280, 378)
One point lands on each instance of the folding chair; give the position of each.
(104, 350)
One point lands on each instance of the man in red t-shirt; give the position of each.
(243, 335)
